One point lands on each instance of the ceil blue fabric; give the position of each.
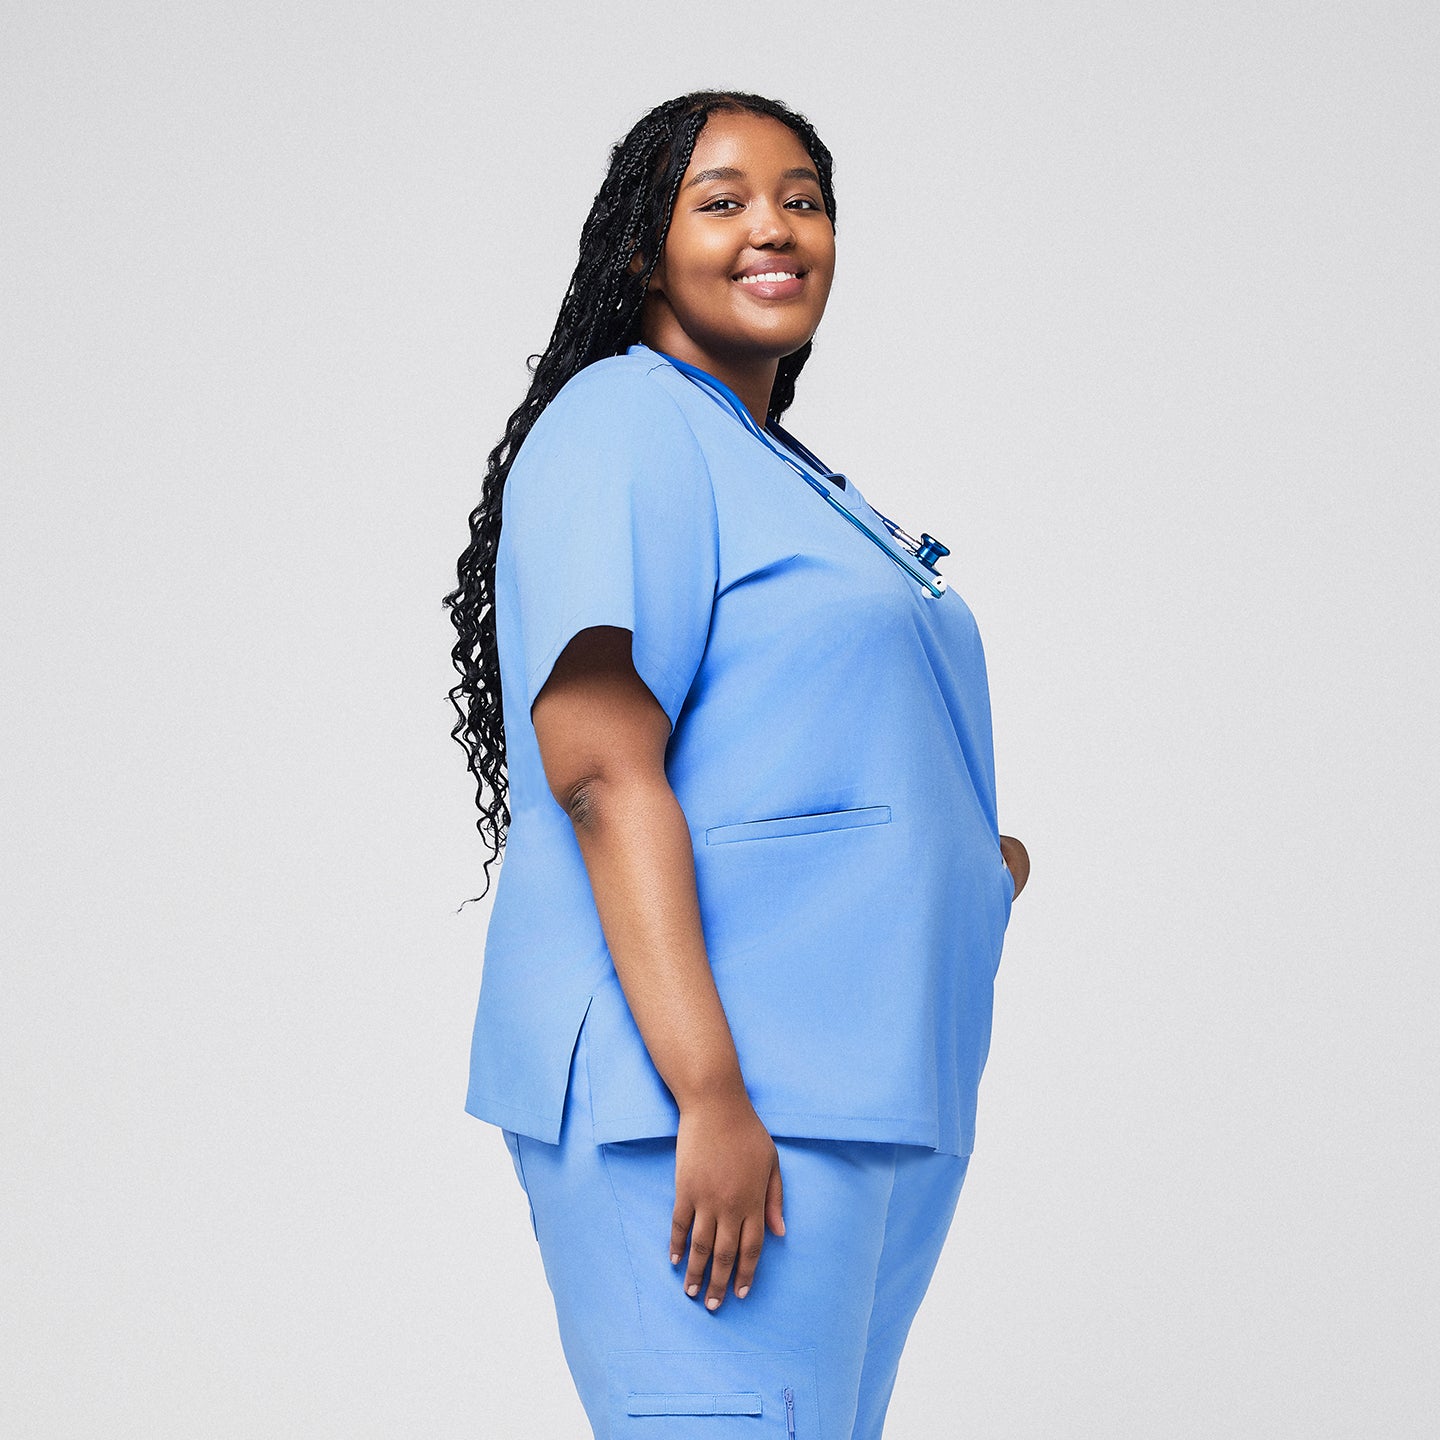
(810, 1353)
(830, 747)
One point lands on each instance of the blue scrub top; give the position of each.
(831, 750)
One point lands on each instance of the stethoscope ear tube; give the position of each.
(926, 550)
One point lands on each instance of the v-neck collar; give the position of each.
(728, 400)
(849, 499)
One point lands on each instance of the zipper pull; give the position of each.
(790, 1412)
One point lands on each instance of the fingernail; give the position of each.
(692, 1289)
(712, 1303)
(742, 1292)
(674, 1259)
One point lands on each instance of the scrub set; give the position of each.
(831, 750)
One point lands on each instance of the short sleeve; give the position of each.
(609, 519)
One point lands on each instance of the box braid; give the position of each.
(599, 317)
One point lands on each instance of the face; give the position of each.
(749, 205)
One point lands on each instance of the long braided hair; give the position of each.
(599, 317)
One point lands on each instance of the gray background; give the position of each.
(1136, 309)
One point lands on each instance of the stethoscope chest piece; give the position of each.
(930, 551)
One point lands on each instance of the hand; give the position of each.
(727, 1185)
(1017, 857)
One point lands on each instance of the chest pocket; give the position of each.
(808, 824)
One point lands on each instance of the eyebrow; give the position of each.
(729, 172)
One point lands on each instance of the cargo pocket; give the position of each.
(512, 1144)
(686, 1394)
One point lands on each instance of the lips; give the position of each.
(772, 267)
(772, 280)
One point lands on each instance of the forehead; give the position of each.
(752, 143)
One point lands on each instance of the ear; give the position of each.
(637, 267)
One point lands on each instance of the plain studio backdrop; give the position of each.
(1135, 309)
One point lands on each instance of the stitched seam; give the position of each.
(704, 458)
(480, 1095)
(670, 679)
(525, 1184)
(610, 1181)
(547, 659)
(789, 1116)
(875, 1287)
(625, 1239)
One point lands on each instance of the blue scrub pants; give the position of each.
(812, 1351)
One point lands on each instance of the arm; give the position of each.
(602, 738)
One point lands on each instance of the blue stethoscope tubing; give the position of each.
(925, 551)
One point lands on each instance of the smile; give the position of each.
(770, 277)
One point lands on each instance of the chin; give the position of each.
(776, 345)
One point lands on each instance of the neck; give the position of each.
(752, 380)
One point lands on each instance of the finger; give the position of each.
(679, 1230)
(752, 1239)
(722, 1262)
(775, 1201)
(702, 1244)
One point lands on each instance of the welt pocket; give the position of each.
(798, 824)
(745, 1402)
(686, 1394)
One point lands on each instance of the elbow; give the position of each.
(581, 800)
(599, 802)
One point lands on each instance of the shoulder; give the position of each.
(613, 430)
(621, 395)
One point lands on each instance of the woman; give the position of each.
(739, 970)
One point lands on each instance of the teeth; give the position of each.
(770, 275)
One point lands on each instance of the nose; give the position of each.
(772, 227)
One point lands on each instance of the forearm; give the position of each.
(636, 846)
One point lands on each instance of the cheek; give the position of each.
(702, 278)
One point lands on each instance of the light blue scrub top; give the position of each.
(831, 750)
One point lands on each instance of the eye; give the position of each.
(803, 200)
(724, 200)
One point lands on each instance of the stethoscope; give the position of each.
(926, 550)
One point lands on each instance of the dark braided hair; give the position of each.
(599, 316)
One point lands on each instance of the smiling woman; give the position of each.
(732, 732)
(746, 268)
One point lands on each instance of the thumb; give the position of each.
(775, 1201)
